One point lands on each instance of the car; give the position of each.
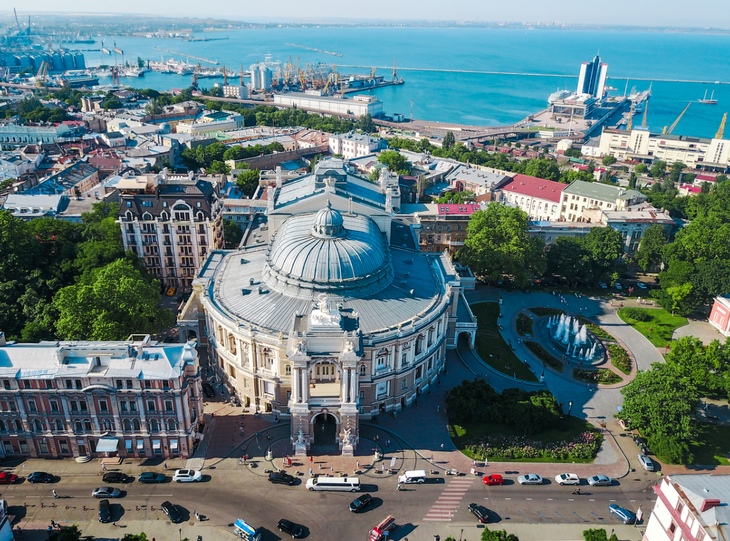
(187, 476)
(41, 477)
(529, 479)
(479, 511)
(646, 462)
(600, 481)
(208, 390)
(494, 479)
(106, 492)
(624, 515)
(290, 528)
(358, 504)
(8, 478)
(567, 479)
(618, 286)
(116, 477)
(172, 512)
(281, 478)
(151, 477)
(640, 285)
(603, 285)
(105, 514)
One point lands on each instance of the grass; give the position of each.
(492, 348)
(571, 427)
(659, 329)
(542, 354)
(712, 445)
(595, 329)
(604, 376)
(524, 325)
(620, 359)
(541, 311)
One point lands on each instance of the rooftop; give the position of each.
(535, 187)
(595, 190)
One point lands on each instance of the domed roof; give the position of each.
(330, 253)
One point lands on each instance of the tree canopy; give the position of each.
(395, 161)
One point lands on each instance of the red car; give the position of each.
(8, 478)
(493, 480)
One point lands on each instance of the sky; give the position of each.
(681, 13)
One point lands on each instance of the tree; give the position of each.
(449, 140)
(606, 246)
(706, 367)
(365, 123)
(66, 533)
(632, 181)
(248, 181)
(498, 535)
(220, 167)
(543, 168)
(572, 153)
(232, 234)
(598, 534)
(658, 169)
(374, 175)
(135, 537)
(112, 103)
(651, 248)
(641, 168)
(216, 92)
(395, 161)
(497, 244)
(609, 160)
(568, 257)
(570, 176)
(153, 107)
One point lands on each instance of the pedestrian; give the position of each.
(357, 464)
(55, 494)
(438, 408)
(388, 443)
(53, 524)
(311, 474)
(332, 469)
(165, 465)
(442, 446)
(398, 487)
(103, 467)
(311, 459)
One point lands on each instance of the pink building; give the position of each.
(720, 315)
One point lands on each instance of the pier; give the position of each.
(188, 56)
(313, 49)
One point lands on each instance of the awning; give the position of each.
(107, 445)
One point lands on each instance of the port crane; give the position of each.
(225, 76)
(671, 128)
(41, 78)
(17, 21)
(646, 109)
(630, 123)
(721, 131)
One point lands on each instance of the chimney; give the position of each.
(709, 504)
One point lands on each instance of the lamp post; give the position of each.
(570, 407)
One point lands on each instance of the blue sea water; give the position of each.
(472, 98)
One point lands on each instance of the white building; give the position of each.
(28, 207)
(20, 135)
(235, 91)
(580, 196)
(632, 223)
(690, 507)
(480, 180)
(355, 145)
(539, 198)
(211, 123)
(14, 164)
(358, 105)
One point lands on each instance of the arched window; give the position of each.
(79, 427)
(129, 215)
(137, 426)
(165, 216)
(154, 425)
(199, 216)
(107, 425)
(38, 425)
(171, 425)
(287, 370)
(147, 217)
(59, 425)
(363, 370)
(127, 424)
(2, 426)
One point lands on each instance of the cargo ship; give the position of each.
(78, 79)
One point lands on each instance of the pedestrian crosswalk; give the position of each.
(449, 500)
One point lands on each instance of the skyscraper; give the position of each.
(592, 78)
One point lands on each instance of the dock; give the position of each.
(313, 49)
(215, 63)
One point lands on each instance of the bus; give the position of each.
(345, 484)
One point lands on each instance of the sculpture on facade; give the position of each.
(301, 347)
(300, 439)
(324, 315)
(349, 347)
(348, 438)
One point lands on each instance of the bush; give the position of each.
(637, 314)
(524, 325)
(671, 450)
(620, 358)
(542, 354)
(584, 446)
(544, 312)
(602, 376)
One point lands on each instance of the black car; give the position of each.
(151, 477)
(361, 503)
(116, 477)
(41, 477)
(208, 390)
(289, 528)
(105, 514)
(172, 512)
(481, 512)
(281, 478)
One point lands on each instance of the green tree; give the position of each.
(449, 140)
(248, 181)
(366, 124)
(705, 367)
(609, 160)
(135, 537)
(232, 233)
(598, 534)
(497, 244)
(543, 168)
(568, 257)
(374, 175)
(66, 533)
(395, 161)
(498, 535)
(640, 169)
(632, 181)
(220, 167)
(153, 107)
(570, 176)
(216, 92)
(658, 169)
(651, 248)
(606, 246)
(572, 153)
(113, 103)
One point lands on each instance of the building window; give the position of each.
(32, 406)
(74, 406)
(6, 383)
(38, 425)
(151, 405)
(132, 405)
(27, 384)
(54, 405)
(82, 405)
(127, 425)
(168, 405)
(119, 383)
(78, 384)
(363, 370)
(130, 384)
(147, 384)
(60, 426)
(171, 425)
(154, 425)
(123, 405)
(404, 384)
(87, 425)
(287, 370)
(103, 406)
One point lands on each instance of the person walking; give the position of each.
(103, 467)
(398, 487)
(357, 464)
(311, 474)
(165, 465)
(55, 494)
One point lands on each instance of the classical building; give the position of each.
(442, 227)
(355, 145)
(539, 198)
(580, 196)
(330, 312)
(135, 398)
(720, 315)
(172, 222)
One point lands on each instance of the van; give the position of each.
(346, 484)
(245, 531)
(413, 476)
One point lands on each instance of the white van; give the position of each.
(345, 484)
(414, 476)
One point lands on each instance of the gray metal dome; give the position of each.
(330, 253)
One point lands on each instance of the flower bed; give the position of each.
(603, 376)
(620, 358)
(541, 311)
(542, 354)
(524, 325)
(584, 446)
(595, 329)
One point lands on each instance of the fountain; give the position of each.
(572, 338)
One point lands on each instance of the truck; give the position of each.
(413, 476)
(382, 530)
(245, 531)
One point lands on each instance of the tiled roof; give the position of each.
(535, 187)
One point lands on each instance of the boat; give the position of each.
(559, 95)
(711, 101)
(106, 51)
(130, 72)
(78, 79)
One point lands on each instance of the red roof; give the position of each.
(535, 187)
(465, 210)
(691, 189)
(707, 178)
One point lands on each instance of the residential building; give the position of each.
(579, 196)
(114, 139)
(690, 507)
(720, 314)
(134, 399)
(480, 180)
(539, 198)
(632, 223)
(15, 164)
(235, 91)
(28, 207)
(172, 222)
(19, 135)
(443, 227)
(211, 122)
(71, 181)
(355, 145)
(358, 105)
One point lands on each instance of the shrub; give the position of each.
(584, 446)
(542, 354)
(620, 359)
(524, 324)
(637, 314)
(544, 312)
(670, 449)
(602, 376)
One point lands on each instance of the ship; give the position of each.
(106, 51)
(558, 95)
(639, 99)
(78, 79)
(117, 49)
(711, 101)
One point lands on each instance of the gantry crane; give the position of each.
(630, 123)
(671, 128)
(721, 131)
(41, 79)
(646, 109)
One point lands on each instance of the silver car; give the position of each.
(529, 479)
(567, 479)
(600, 481)
(646, 463)
(106, 492)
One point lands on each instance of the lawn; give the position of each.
(542, 354)
(524, 325)
(712, 446)
(492, 348)
(571, 428)
(659, 329)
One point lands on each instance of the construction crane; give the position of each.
(646, 109)
(671, 128)
(395, 73)
(242, 75)
(302, 80)
(630, 123)
(721, 130)
(41, 79)
(17, 21)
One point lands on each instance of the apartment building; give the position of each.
(443, 227)
(172, 222)
(135, 398)
(539, 198)
(579, 196)
(355, 145)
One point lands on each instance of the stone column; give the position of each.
(296, 381)
(354, 386)
(343, 386)
(305, 384)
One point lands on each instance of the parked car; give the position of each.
(358, 504)
(624, 515)
(208, 390)
(41, 477)
(281, 478)
(603, 285)
(151, 477)
(106, 492)
(290, 528)
(567, 479)
(529, 479)
(494, 479)
(600, 481)
(172, 512)
(187, 476)
(116, 477)
(640, 285)
(8, 478)
(105, 514)
(618, 286)
(479, 511)
(646, 463)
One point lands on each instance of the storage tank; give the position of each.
(79, 61)
(24, 61)
(57, 61)
(68, 61)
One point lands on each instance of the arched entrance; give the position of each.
(465, 340)
(324, 428)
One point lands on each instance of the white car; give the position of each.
(646, 463)
(187, 476)
(567, 479)
(600, 481)
(529, 479)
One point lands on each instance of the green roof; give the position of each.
(594, 190)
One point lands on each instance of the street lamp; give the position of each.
(180, 533)
(570, 407)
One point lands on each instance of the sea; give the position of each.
(438, 65)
